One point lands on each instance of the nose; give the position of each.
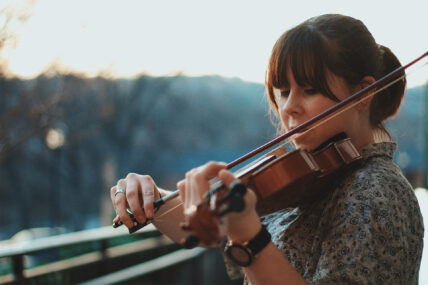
(291, 105)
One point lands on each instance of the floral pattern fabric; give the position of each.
(367, 230)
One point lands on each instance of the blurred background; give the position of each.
(93, 90)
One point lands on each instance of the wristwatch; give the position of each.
(243, 253)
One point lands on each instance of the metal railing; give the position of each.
(20, 253)
(109, 260)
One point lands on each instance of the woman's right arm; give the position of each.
(140, 192)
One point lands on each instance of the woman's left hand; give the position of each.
(238, 225)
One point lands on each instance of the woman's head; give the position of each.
(338, 45)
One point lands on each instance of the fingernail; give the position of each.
(179, 183)
(149, 214)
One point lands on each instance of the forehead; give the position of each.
(305, 55)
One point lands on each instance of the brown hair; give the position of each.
(343, 46)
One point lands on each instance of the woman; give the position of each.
(366, 229)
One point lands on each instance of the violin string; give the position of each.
(247, 165)
(260, 157)
(167, 212)
(214, 181)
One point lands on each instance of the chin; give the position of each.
(311, 140)
(302, 145)
(302, 141)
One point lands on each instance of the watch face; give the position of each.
(239, 254)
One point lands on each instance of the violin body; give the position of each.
(282, 180)
(299, 177)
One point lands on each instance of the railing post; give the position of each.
(18, 267)
(104, 264)
(104, 247)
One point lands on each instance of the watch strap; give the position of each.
(259, 242)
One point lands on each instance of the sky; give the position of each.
(225, 37)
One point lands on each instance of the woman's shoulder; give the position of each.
(377, 175)
(378, 190)
(372, 219)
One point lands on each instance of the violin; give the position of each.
(301, 174)
(279, 178)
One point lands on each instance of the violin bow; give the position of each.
(384, 82)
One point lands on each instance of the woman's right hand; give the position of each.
(139, 194)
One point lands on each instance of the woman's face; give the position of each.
(297, 104)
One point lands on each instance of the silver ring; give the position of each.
(119, 190)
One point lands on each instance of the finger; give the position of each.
(121, 205)
(226, 177)
(113, 191)
(181, 186)
(197, 182)
(210, 170)
(133, 197)
(250, 198)
(112, 194)
(197, 187)
(187, 190)
(201, 176)
(148, 189)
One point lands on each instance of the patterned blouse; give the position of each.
(368, 230)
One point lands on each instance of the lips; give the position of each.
(298, 134)
(291, 128)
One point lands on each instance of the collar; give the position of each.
(379, 149)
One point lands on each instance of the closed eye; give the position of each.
(311, 91)
(285, 93)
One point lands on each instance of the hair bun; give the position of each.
(386, 103)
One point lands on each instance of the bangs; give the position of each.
(301, 50)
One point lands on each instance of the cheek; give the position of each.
(342, 123)
(320, 105)
(281, 113)
(285, 119)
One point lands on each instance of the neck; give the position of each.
(363, 137)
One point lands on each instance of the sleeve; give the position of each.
(374, 234)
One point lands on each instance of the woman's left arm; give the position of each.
(269, 266)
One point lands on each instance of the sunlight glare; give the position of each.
(229, 38)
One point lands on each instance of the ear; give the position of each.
(366, 81)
